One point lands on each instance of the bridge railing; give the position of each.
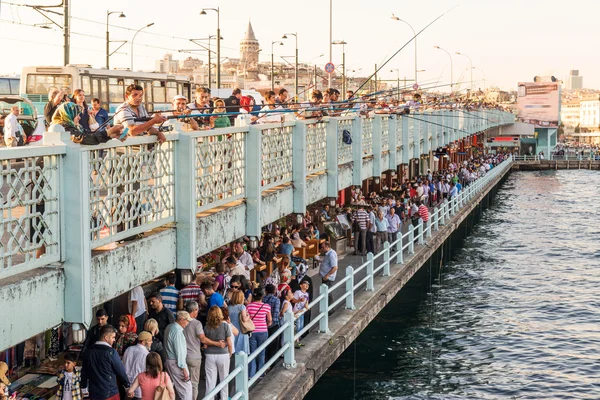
(31, 208)
(352, 283)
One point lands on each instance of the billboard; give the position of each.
(538, 104)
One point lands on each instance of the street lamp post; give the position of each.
(296, 64)
(343, 43)
(132, 40)
(415, 39)
(273, 64)
(108, 13)
(451, 67)
(203, 12)
(471, 69)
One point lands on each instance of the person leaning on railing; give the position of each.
(67, 116)
(133, 109)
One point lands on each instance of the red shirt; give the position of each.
(424, 213)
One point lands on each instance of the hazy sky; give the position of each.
(510, 40)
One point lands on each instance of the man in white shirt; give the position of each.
(138, 306)
(134, 359)
(244, 258)
(13, 131)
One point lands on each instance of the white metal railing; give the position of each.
(277, 154)
(131, 187)
(220, 166)
(351, 283)
(31, 208)
(344, 149)
(385, 133)
(526, 158)
(316, 141)
(367, 136)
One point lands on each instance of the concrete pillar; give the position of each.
(253, 181)
(185, 198)
(357, 152)
(332, 158)
(299, 167)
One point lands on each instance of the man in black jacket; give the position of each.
(92, 334)
(102, 367)
(233, 104)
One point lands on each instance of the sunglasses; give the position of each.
(235, 287)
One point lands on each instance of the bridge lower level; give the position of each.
(66, 207)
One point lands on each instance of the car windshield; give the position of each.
(26, 110)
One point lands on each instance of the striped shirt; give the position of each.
(424, 213)
(170, 295)
(126, 116)
(258, 313)
(362, 218)
(190, 292)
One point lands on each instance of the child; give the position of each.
(69, 380)
(300, 302)
(220, 280)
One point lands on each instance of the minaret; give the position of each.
(249, 54)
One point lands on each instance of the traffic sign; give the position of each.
(329, 68)
(416, 86)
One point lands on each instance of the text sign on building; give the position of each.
(537, 104)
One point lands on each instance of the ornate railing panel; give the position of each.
(344, 149)
(276, 156)
(30, 195)
(316, 142)
(131, 190)
(367, 137)
(385, 134)
(220, 169)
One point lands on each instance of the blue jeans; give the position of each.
(256, 340)
(300, 323)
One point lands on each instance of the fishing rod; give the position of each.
(406, 44)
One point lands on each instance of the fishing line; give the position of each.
(406, 44)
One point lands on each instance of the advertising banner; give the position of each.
(538, 104)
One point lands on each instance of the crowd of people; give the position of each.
(91, 125)
(380, 217)
(171, 337)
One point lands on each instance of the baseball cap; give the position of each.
(179, 97)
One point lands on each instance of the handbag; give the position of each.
(247, 326)
(161, 392)
(94, 125)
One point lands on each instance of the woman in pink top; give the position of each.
(260, 314)
(153, 377)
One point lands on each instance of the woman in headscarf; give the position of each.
(126, 335)
(68, 115)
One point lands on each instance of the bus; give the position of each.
(106, 85)
(9, 85)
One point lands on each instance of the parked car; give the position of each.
(33, 123)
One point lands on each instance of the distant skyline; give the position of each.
(511, 40)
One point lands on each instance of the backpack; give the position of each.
(346, 137)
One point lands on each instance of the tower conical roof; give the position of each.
(249, 32)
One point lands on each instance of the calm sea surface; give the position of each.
(514, 315)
